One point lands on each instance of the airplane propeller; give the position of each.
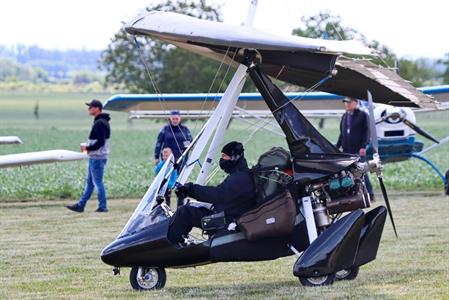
(376, 163)
(398, 117)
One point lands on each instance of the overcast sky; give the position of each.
(410, 28)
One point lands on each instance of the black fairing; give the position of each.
(302, 137)
(370, 235)
(314, 156)
(234, 247)
(150, 247)
(335, 249)
(315, 166)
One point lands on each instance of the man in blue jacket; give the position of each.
(354, 134)
(174, 135)
(234, 196)
(97, 149)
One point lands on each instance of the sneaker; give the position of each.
(101, 210)
(75, 207)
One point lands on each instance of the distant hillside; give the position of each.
(58, 64)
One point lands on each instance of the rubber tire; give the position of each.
(162, 278)
(351, 275)
(309, 281)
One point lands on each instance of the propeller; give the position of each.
(420, 130)
(376, 163)
(400, 117)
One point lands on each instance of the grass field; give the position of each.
(48, 252)
(63, 123)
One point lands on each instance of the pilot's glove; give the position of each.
(185, 190)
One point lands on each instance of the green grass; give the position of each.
(48, 252)
(63, 123)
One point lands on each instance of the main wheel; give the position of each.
(347, 274)
(317, 281)
(146, 278)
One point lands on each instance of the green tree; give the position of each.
(420, 72)
(329, 27)
(324, 25)
(171, 68)
(445, 62)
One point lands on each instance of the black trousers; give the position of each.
(185, 218)
(167, 196)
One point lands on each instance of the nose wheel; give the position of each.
(147, 278)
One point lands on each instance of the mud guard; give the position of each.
(370, 235)
(335, 249)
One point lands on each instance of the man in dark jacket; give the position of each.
(234, 195)
(174, 135)
(354, 134)
(97, 148)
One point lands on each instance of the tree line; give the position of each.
(175, 70)
(138, 65)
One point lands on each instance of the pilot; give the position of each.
(234, 196)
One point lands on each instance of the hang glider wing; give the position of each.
(40, 157)
(10, 140)
(299, 60)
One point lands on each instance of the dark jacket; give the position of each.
(177, 138)
(358, 135)
(235, 195)
(98, 142)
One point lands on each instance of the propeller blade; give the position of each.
(372, 123)
(420, 131)
(387, 202)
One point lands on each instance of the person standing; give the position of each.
(97, 149)
(354, 134)
(174, 135)
(174, 175)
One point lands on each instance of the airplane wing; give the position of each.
(10, 140)
(40, 157)
(299, 60)
(191, 105)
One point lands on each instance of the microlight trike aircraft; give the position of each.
(328, 228)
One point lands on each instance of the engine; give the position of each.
(342, 192)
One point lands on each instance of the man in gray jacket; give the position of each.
(97, 149)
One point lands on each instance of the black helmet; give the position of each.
(234, 150)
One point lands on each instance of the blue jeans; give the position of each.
(94, 179)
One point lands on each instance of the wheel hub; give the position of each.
(147, 277)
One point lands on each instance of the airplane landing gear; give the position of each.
(146, 278)
(347, 274)
(317, 281)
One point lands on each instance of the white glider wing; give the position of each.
(179, 29)
(10, 140)
(40, 157)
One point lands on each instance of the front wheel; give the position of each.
(317, 281)
(347, 274)
(147, 278)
